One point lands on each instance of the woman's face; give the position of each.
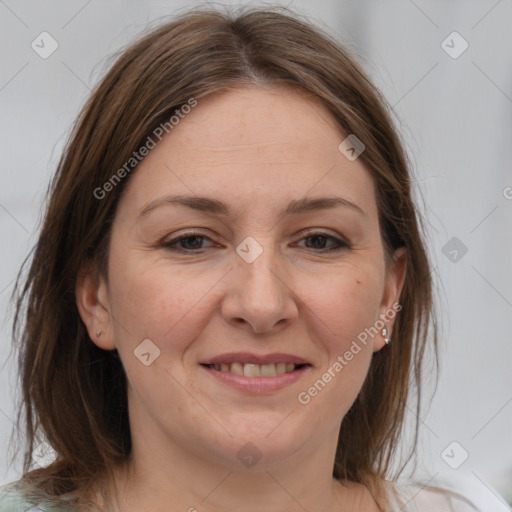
(269, 274)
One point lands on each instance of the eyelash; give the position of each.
(340, 244)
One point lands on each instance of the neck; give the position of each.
(159, 479)
(165, 474)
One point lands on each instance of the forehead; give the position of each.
(261, 122)
(255, 145)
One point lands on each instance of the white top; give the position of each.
(446, 495)
(417, 499)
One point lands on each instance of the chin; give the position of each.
(260, 444)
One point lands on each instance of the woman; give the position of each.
(230, 292)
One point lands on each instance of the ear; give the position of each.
(393, 287)
(91, 295)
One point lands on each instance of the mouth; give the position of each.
(256, 374)
(252, 370)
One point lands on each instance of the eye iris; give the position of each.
(195, 238)
(316, 237)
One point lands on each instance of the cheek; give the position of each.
(345, 304)
(342, 312)
(167, 307)
(157, 303)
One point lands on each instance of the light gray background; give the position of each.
(455, 115)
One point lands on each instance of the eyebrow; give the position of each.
(214, 206)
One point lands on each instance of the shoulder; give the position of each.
(13, 500)
(444, 495)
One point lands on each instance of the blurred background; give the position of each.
(445, 67)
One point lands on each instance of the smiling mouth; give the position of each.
(256, 370)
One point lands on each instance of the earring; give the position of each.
(98, 334)
(384, 333)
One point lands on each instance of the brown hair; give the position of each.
(73, 392)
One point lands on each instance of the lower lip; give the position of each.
(257, 385)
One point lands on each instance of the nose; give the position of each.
(259, 295)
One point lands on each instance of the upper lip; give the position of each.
(248, 357)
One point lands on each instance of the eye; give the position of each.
(192, 242)
(319, 240)
(188, 242)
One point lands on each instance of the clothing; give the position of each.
(405, 498)
(417, 499)
(12, 501)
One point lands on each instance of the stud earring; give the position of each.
(98, 334)
(384, 333)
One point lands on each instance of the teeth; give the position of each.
(252, 370)
(237, 368)
(255, 370)
(268, 370)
